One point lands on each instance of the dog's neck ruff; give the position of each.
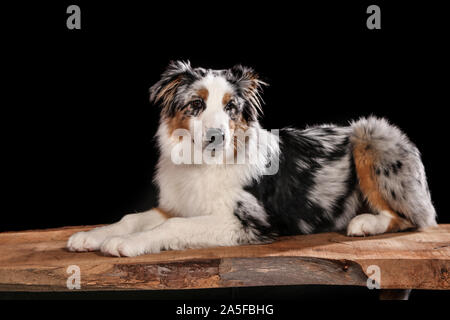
(204, 189)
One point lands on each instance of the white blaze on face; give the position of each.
(214, 116)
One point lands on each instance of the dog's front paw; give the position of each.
(367, 225)
(85, 241)
(122, 247)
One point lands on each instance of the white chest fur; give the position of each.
(198, 190)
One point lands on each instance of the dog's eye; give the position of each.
(230, 106)
(197, 104)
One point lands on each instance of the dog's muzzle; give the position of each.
(214, 138)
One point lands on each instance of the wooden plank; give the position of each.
(37, 261)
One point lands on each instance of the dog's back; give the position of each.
(328, 173)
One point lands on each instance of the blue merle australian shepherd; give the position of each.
(365, 179)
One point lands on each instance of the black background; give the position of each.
(78, 127)
(79, 143)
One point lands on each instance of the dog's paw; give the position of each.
(366, 225)
(85, 241)
(122, 247)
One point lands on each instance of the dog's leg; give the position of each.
(179, 233)
(371, 224)
(387, 220)
(391, 177)
(92, 240)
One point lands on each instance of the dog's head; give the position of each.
(217, 101)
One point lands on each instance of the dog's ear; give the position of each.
(163, 92)
(249, 85)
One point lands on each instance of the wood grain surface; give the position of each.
(37, 261)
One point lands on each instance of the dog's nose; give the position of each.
(212, 134)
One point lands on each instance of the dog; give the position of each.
(366, 178)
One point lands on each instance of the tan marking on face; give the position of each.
(163, 213)
(364, 158)
(241, 125)
(179, 121)
(232, 125)
(203, 93)
(226, 98)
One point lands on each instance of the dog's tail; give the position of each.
(391, 174)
